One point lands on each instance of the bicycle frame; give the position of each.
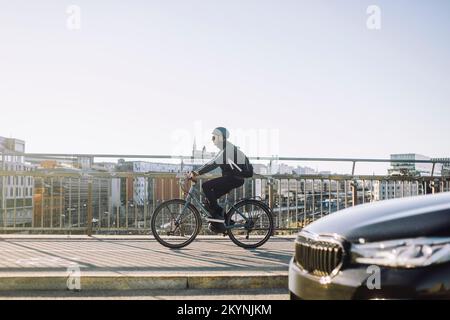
(193, 197)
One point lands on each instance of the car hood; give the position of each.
(427, 215)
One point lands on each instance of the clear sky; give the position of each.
(140, 73)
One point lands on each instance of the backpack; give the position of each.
(246, 168)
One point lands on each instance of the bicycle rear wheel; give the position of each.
(171, 230)
(252, 224)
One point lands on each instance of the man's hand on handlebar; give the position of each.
(191, 175)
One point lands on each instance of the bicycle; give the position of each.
(176, 223)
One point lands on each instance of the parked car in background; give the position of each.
(393, 249)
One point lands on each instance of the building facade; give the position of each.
(383, 190)
(16, 196)
(445, 162)
(139, 190)
(409, 168)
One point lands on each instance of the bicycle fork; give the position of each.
(180, 216)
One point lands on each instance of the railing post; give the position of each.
(270, 183)
(3, 203)
(354, 185)
(433, 186)
(89, 209)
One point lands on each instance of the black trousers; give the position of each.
(215, 188)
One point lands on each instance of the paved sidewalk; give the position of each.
(139, 262)
(199, 294)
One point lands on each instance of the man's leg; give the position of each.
(227, 184)
(216, 188)
(209, 188)
(231, 183)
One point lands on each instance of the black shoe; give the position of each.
(218, 214)
(208, 207)
(217, 227)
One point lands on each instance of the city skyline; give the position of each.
(200, 156)
(312, 74)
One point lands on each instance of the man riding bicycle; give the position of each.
(235, 168)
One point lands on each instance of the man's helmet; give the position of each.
(221, 131)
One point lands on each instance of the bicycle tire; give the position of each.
(158, 210)
(264, 208)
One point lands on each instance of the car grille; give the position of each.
(319, 257)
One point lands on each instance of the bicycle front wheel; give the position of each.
(175, 224)
(251, 224)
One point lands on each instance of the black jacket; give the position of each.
(230, 159)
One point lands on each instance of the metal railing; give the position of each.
(90, 201)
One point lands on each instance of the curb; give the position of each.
(176, 282)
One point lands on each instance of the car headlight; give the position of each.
(405, 253)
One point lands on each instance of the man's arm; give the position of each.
(209, 166)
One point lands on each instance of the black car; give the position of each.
(393, 249)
